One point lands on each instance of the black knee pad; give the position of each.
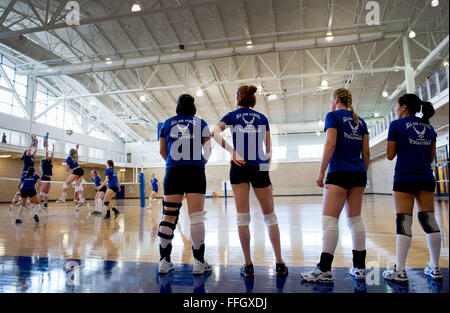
(106, 203)
(404, 223)
(428, 222)
(167, 224)
(165, 252)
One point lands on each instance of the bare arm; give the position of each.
(330, 145)
(235, 157)
(391, 150)
(268, 142)
(163, 147)
(433, 151)
(53, 152)
(366, 151)
(207, 148)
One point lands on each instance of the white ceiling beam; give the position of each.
(7, 10)
(238, 81)
(204, 54)
(96, 20)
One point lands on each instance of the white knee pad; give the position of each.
(197, 217)
(270, 219)
(330, 223)
(42, 194)
(243, 219)
(78, 188)
(65, 186)
(356, 224)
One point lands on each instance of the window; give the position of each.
(310, 151)
(279, 153)
(8, 103)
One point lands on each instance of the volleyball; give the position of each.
(69, 132)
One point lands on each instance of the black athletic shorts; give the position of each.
(249, 174)
(46, 178)
(78, 171)
(415, 187)
(347, 180)
(27, 193)
(115, 189)
(103, 189)
(184, 179)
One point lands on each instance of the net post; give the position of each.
(142, 188)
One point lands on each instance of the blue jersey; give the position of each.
(28, 183)
(153, 181)
(185, 136)
(71, 164)
(414, 141)
(28, 161)
(249, 130)
(347, 153)
(47, 167)
(97, 181)
(112, 174)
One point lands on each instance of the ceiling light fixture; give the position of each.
(271, 97)
(136, 7)
(320, 123)
(385, 94)
(142, 98)
(329, 36)
(108, 61)
(376, 114)
(412, 34)
(434, 3)
(324, 84)
(199, 92)
(317, 133)
(4, 156)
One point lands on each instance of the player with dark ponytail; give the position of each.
(27, 189)
(113, 183)
(413, 140)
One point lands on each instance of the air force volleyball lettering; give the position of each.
(419, 130)
(355, 135)
(180, 129)
(249, 118)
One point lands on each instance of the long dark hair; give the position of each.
(110, 163)
(185, 105)
(30, 172)
(414, 104)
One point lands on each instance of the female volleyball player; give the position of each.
(113, 183)
(250, 130)
(27, 189)
(47, 172)
(346, 154)
(77, 174)
(155, 187)
(100, 192)
(181, 140)
(413, 140)
(28, 161)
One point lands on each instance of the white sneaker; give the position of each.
(60, 200)
(316, 275)
(165, 267)
(201, 268)
(396, 276)
(433, 273)
(358, 273)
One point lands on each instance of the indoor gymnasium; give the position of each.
(224, 146)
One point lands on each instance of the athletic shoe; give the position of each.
(18, 221)
(317, 276)
(108, 215)
(433, 273)
(395, 276)
(116, 213)
(247, 271)
(60, 200)
(281, 269)
(45, 208)
(165, 267)
(36, 218)
(201, 268)
(358, 273)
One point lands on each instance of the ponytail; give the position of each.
(345, 97)
(30, 172)
(110, 163)
(74, 155)
(415, 105)
(246, 96)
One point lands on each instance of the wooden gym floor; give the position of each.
(34, 257)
